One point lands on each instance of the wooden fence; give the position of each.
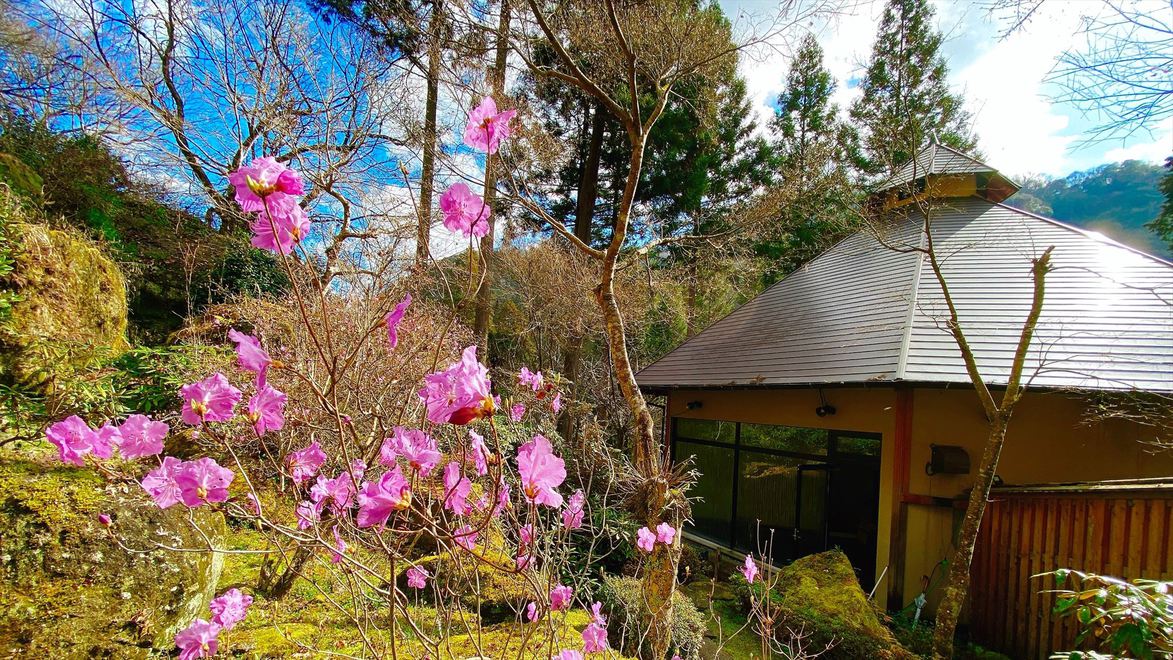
(1121, 529)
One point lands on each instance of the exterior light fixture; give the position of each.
(694, 405)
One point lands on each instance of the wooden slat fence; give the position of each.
(1111, 528)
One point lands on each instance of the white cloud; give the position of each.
(1002, 80)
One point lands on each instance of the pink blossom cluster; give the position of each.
(266, 407)
(646, 539)
(460, 393)
(272, 191)
(201, 638)
(136, 437)
(464, 211)
(193, 483)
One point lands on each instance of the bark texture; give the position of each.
(428, 175)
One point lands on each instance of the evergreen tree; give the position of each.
(1162, 225)
(906, 98)
(810, 144)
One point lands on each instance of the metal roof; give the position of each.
(865, 313)
(936, 158)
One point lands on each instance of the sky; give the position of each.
(1020, 130)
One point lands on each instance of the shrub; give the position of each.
(1126, 618)
(623, 598)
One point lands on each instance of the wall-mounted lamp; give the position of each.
(825, 409)
(694, 405)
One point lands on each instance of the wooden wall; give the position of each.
(1113, 531)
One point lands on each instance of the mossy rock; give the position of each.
(498, 593)
(71, 309)
(627, 613)
(66, 587)
(22, 179)
(820, 595)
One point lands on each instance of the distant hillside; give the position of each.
(1115, 199)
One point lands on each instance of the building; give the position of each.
(836, 409)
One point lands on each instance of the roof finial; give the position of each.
(933, 138)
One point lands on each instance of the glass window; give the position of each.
(711, 513)
(865, 446)
(785, 438)
(704, 429)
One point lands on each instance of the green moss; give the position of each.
(22, 179)
(623, 599)
(820, 594)
(71, 309)
(68, 589)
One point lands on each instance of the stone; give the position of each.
(67, 589)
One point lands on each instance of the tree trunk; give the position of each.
(428, 175)
(584, 215)
(484, 306)
(958, 585)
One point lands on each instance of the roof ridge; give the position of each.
(1087, 233)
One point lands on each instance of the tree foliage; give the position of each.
(906, 99)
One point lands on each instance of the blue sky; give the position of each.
(1020, 130)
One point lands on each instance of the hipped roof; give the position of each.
(863, 313)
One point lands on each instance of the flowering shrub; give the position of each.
(372, 488)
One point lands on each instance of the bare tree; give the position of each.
(1121, 72)
(628, 56)
(202, 88)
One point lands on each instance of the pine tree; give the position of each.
(906, 99)
(1162, 225)
(810, 144)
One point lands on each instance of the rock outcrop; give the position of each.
(67, 588)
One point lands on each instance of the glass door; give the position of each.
(810, 509)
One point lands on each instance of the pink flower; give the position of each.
(197, 640)
(531, 612)
(525, 534)
(503, 493)
(281, 227)
(254, 505)
(464, 211)
(534, 380)
(560, 597)
(203, 481)
(339, 547)
(646, 539)
(665, 533)
(516, 412)
(466, 537)
(249, 354)
(572, 515)
(107, 438)
(104, 519)
(522, 560)
(264, 178)
(541, 472)
(379, 499)
(480, 453)
(74, 439)
(556, 403)
(266, 409)
(419, 450)
(568, 654)
(209, 400)
(597, 614)
(750, 569)
(140, 436)
(460, 393)
(487, 128)
(304, 463)
(339, 492)
(230, 608)
(594, 639)
(308, 514)
(456, 490)
(160, 483)
(392, 320)
(417, 577)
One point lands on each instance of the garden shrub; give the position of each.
(622, 597)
